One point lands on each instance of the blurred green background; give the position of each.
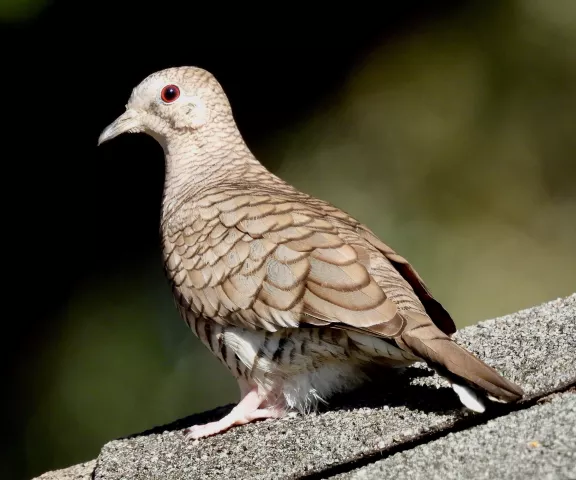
(453, 138)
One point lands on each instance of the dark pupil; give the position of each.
(170, 93)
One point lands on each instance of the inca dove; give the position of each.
(292, 294)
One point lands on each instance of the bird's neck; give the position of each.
(194, 165)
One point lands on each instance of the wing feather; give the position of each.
(264, 261)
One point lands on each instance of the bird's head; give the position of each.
(171, 104)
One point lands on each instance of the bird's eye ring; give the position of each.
(170, 93)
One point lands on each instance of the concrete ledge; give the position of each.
(535, 348)
(538, 442)
(82, 471)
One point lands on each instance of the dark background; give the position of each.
(448, 127)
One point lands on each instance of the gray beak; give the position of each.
(128, 122)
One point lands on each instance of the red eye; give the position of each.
(170, 93)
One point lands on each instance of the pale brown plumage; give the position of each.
(292, 294)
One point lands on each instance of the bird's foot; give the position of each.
(248, 410)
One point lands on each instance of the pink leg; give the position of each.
(245, 412)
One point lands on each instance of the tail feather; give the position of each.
(469, 397)
(449, 359)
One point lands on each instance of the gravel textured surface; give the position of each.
(535, 348)
(539, 442)
(82, 471)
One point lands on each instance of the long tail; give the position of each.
(459, 366)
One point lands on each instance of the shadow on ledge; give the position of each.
(392, 388)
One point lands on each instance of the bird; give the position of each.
(297, 298)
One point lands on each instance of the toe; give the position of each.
(200, 431)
